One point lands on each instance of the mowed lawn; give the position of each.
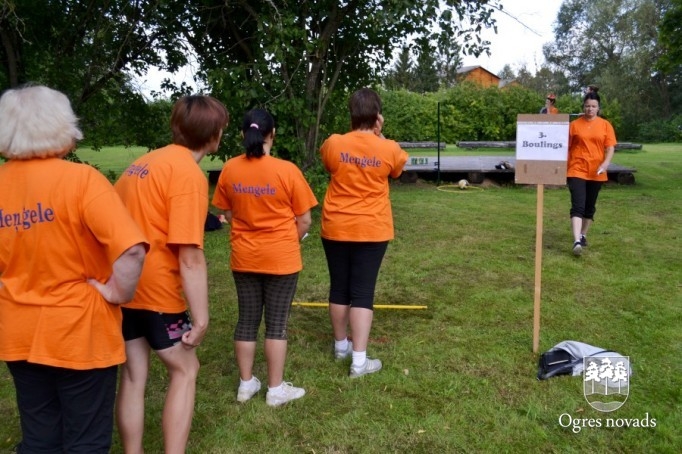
(459, 376)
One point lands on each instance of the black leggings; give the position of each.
(257, 292)
(353, 271)
(584, 195)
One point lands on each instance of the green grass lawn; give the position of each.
(460, 375)
(117, 159)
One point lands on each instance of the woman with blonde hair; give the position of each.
(70, 254)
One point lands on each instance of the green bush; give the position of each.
(467, 112)
(661, 131)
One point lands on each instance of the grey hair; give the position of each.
(36, 122)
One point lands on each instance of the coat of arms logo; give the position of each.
(606, 381)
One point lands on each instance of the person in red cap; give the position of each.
(550, 108)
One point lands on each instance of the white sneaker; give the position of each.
(343, 354)
(248, 389)
(285, 393)
(370, 366)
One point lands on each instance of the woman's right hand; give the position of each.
(378, 126)
(121, 285)
(108, 291)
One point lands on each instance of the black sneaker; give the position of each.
(577, 249)
(583, 240)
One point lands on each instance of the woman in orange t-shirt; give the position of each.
(167, 194)
(550, 107)
(357, 224)
(267, 202)
(70, 254)
(591, 143)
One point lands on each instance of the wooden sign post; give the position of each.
(541, 155)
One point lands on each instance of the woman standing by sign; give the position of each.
(591, 143)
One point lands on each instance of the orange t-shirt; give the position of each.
(264, 195)
(60, 224)
(357, 205)
(167, 194)
(587, 142)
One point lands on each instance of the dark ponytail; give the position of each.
(592, 95)
(257, 125)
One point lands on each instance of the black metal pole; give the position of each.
(438, 138)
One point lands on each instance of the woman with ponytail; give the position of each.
(267, 202)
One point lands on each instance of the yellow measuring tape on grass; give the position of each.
(376, 306)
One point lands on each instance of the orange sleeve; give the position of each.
(188, 207)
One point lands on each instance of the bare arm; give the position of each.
(194, 277)
(608, 155)
(121, 285)
(303, 222)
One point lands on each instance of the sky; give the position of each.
(515, 44)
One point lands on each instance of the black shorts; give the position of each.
(161, 330)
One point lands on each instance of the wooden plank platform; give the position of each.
(406, 145)
(512, 145)
(476, 168)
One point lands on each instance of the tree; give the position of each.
(435, 68)
(401, 75)
(507, 73)
(301, 59)
(670, 37)
(426, 72)
(544, 80)
(614, 44)
(89, 49)
(448, 60)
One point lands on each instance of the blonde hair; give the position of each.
(36, 122)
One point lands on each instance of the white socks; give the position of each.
(276, 389)
(341, 346)
(359, 358)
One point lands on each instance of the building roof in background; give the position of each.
(478, 75)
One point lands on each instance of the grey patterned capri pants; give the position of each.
(258, 293)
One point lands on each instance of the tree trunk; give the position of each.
(12, 53)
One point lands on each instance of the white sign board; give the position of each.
(541, 149)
